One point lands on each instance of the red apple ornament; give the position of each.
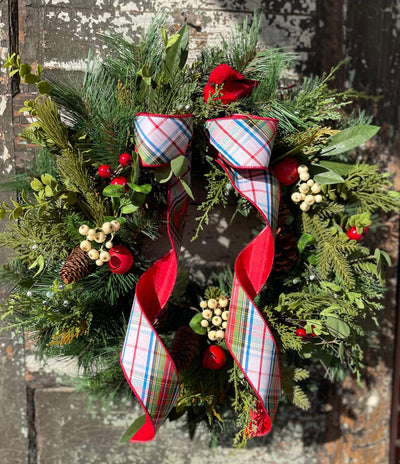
(105, 171)
(214, 357)
(286, 171)
(125, 159)
(121, 259)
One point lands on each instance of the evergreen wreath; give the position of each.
(86, 207)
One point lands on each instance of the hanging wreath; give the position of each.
(115, 161)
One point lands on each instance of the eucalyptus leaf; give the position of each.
(164, 174)
(187, 188)
(195, 324)
(129, 208)
(348, 139)
(145, 188)
(340, 168)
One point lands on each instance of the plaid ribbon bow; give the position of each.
(146, 363)
(244, 149)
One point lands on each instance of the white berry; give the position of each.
(318, 198)
(310, 182)
(83, 229)
(207, 314)
(224, 325)
(225, 315)
(212, 303)
(91, 232)
(309, 199)
(296, 197)
(304, 206)
(304, 188)
(304, 176)
(99, 262)
(85, 245)
(100, 237)
(93, 254)
(217, 311)
(220, 334)
(90, 237)
(316, 188)
(302, 168)
(223, 302)
(107, 228)
(105, 256)
(115, 225)
(217, 321)
(212, 335)
(204, 323)
(203, 304)
(109, 244)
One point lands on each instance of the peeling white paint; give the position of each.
(74, 65)
(6, 154)
(64, 16)
(372, 401)
(3, 104)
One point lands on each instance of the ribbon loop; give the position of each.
(244, 148)
(145, 361)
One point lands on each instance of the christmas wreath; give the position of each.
(113, 172)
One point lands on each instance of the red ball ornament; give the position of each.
(354, 235)
(286, 171)
(119, 181)
(214, 357)
(301, 333)
(121, 259)
(105, 171)
(125, 159)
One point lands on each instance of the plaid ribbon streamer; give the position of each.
(146, 363)
(244, 149)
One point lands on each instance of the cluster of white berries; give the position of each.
(215, 316)
(309, 190)
(99, 236)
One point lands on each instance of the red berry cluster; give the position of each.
(303, 334)
(354, 235)
(105, 171)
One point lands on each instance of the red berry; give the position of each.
(214, 357)
(354, 235)
(105, 171)
(286, 171)
(301, 333)
(125, 159)
(119, 181)
(121, 259)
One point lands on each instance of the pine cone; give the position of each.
(283, 214)
(184, 347)
(76, 266)
(286, 252)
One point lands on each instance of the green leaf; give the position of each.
(31, 79)
(2, 213)
(340, 168)
(145, 73)
(348, 139)
(116, 191)
(328, 177)
(163, 174)
(47, 179)
(24, 69)
(164, 36)
(133, 428)
(48, 191)
(16, 213)
(176, 54)
(39, 69)
(36, 185)
(195, 324)
(129, 208)
(14, 71)
(187, 188)
(43, 87)
(138, 198)
(145, 188)
(172, 40)
(179, 165)
(337, 327)
(304, 241)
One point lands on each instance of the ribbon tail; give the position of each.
(145, 361)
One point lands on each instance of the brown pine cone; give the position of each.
(286, 252)
(283, 214)
(76, 266)
(184, 347)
